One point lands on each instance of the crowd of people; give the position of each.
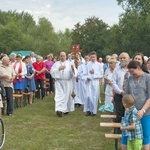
(24, 75)
(76, 81)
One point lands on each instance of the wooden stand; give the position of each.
(115, 136)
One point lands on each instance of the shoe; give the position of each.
(79, 105)
(93, 114)
(10, 115)
(66, 113)
(59, 113)
(88, 113)
(43, 98)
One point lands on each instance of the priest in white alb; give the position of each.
(63, 71)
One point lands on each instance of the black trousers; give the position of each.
(9, 98)
(118, 107)
(39, 85)
(48, 75)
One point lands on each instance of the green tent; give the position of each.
(23, 53)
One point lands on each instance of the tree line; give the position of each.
(19, 31)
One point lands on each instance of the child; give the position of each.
(133, 125)
(94, 73)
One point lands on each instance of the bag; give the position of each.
(31, 71)
(107, 108)
(2, 91)
(27, 89)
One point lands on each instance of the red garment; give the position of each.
(19, 71)
(39, 66)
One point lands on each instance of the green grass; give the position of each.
(36, 127)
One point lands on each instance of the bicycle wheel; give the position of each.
(2, 133)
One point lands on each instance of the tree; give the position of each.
(10, 38)
(64, 40)
(92, 35)
(46, 38)
(19, 31)
(141, 6)
(114, 40)
(135, 26)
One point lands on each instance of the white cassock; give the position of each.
(109, 89)
(82, 60)
(63, 86)
(93, 86)
(82, 75)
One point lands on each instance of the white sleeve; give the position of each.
(55, 73)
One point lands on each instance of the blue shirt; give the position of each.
(131, 117)
(106, 66)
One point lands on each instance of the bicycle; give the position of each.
(2, 133)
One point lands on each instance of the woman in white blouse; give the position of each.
(20, 70)
(108, 80)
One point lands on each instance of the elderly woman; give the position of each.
(108, 80)
(12, 58)
(138, 86)
(21, 71)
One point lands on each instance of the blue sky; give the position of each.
(66, 13)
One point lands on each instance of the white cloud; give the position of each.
(48, 5)
(66, 13)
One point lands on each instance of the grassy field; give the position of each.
(36, 127)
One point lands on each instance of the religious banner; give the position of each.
(76, 48)
(76, 52)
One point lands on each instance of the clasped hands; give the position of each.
(92, 71)
(62, 67)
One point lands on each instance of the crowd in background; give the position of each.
(31, 72)
(19, 75)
